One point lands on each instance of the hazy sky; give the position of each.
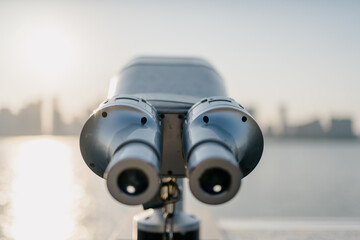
(302, 54)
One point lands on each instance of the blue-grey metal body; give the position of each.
(169, 83)
(191, 125)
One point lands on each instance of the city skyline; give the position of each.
(30, 120)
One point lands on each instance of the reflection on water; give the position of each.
(42, 192)
(47, 192)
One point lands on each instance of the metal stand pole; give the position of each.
(166, 223)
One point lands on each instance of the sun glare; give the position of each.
(49, 52)
(42, 191)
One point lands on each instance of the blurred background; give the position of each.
(293, 64)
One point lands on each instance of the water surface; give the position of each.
(47, 192)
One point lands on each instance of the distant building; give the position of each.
(269, 132)
(60, 127)
(341, 128)
(29, 119)
(284, 123)
(26, 122)
(312, 129)
(7, 122)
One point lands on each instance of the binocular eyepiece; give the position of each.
(223, 144)
(170, 117)
(121, 142)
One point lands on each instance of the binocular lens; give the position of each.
(133, 181)
(215, 181)
(133, 174)
(214, 175)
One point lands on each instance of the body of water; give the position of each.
(47, 192)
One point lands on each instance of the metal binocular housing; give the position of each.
(170, 117)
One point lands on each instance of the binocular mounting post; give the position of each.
(169, 222)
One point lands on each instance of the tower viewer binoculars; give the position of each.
(170, 118)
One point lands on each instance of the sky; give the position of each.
(303, 55)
